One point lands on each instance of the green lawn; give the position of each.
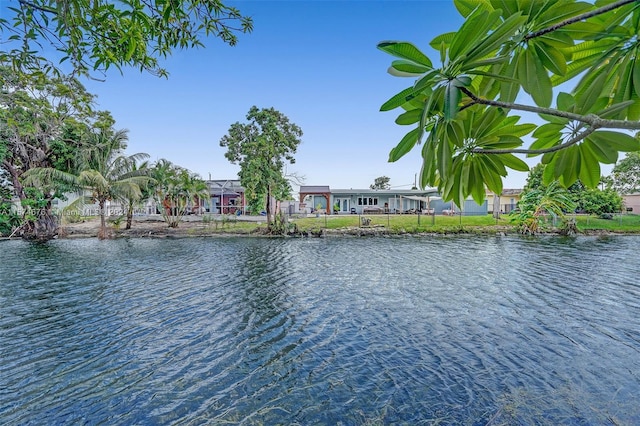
(412, 223)
(439, 224)
(620, 223)
(403, 223)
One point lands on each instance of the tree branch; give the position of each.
(38, 7)
(591, 119)
(577, 138)
(579, 18)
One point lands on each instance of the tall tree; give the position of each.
(109, 174)
(103, 170)
(381, 182)
(625, 176)
(99, 34)
(262, 147)
(463, 110)
(37, 116)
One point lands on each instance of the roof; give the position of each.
(425, 199)
(507, 191)
(515, 191)
(225, 187)
(388, 192)
(315, 189)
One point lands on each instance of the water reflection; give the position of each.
(321, 331)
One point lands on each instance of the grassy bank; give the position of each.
(444, 224)
(403, 223)
(347, 224)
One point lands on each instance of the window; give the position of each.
(367, 201)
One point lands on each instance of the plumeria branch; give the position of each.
(590, 119)
(567, 144)
(579, 18)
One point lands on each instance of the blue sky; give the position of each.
(315, 61)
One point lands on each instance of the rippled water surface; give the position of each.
(446, 330)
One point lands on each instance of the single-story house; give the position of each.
(227, 197)
(631, 203)
(505, 203)
(371, 201)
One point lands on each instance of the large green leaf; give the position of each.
(472, 67)
(554, 119)
(452, 188)
(465, 175)
(465, 7)
(476, 183)
(633, 113)
(405, 50)
(551, 58)
(400, 99)
(589, 168)
(455, 133)
(484, 121)
(409, 117)
(559, 40)
(636, 76)
(589, 96)
(490, 174)
(548, 175)
(602, 151)
(429, 161)
(509, 129)
(444, 156)
(565, 101)
(509, 89)
(494, 41)
(451, 101)
(503, 142)
(495, 163)
(410, 67)
(613, 110)
(513, 162)
(508, 6)
(572, 166)
(615, 140)
(428, 80)
(585, 30)
(472, 30)
(539, 82)
(443, 39)
(559, 163)
(545, 142)
(561, 10)
(548, 129)
(406, 144)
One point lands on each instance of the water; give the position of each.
(438, 330)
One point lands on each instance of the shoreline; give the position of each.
(189, 229)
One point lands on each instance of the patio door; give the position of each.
(344, 204)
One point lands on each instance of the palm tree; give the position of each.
(129, 200)
(553, 199)
(103, 170)
(110, 175)
(176, 189)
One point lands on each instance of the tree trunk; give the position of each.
(44, 228)
(129, 216)
(102, 234)
(268, 205)
(496, 206)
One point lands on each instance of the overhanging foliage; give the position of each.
(464, 111)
